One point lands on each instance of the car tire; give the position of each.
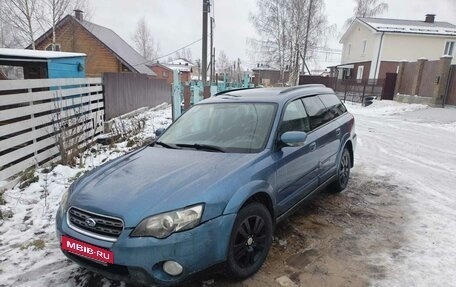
(343, 172)
(250, 241)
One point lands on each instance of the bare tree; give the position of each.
(23, 16)
(9, 37)
(144, 42)
(54, 11)
(222, 63)
(287, 28)
(187, 54)
(367, 8)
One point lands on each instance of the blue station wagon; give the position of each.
(209, 191)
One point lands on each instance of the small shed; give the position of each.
(37, 64)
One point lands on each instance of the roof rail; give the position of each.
(234, 90)
(302, 87)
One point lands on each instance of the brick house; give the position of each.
(373, 47)
(166, 71)
(106, 51)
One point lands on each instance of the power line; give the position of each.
(194, 42)
(169, 54)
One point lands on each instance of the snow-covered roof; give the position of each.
(181, 61)
(37, 54)
(180, 68)
(114, 42)
(410, 26)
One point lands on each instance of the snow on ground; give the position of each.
(409, 146)
(416, 152)
(29, 249)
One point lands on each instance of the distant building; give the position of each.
(40, 64)
(269, 77)
(106, 51)
(373, 47)
(166, 71)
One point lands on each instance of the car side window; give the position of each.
(317, 112)
(295, 118)
(334, 105)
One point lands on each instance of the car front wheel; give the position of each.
(250, 241)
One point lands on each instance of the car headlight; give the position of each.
(165, 224)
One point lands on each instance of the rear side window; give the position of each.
(295, 118)
(318, 114)
(334, 105)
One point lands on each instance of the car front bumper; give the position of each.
(140, 259)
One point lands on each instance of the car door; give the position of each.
(327, 131)
(296, 173)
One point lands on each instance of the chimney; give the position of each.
(430, 18)
(78, 14)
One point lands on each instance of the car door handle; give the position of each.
(312, 146)
(338, 132)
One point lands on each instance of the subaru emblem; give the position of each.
(90, 222)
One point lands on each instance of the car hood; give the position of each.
(154, 180)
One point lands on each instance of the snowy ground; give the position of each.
(394, 226)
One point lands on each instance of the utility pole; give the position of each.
(206, 9)
(2, 32)
(212, 50)
(307, 37)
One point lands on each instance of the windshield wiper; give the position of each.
(203, 147)
(170, 146)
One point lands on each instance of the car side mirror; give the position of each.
(293, 139)
(159, 132)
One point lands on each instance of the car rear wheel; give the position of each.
(250, 241)
(343, 172)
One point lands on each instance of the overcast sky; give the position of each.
(176, 23)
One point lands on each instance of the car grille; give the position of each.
(106, 227)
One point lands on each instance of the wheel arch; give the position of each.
(259, 191)
(349, 146)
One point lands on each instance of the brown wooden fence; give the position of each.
(451, 93)
(406, 84)
(427, 85)
(355, 90)
(126, 92)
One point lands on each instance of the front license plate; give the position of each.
(87, 250)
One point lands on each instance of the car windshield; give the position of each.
(222, 127)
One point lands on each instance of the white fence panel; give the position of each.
(32, 120)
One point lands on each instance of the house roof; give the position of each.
(118, 46)
(180, 68)
(123, 51)
(181, 61)
(410, 26)
(36, 54)
(401, 26)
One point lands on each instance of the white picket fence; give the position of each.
(29, 114)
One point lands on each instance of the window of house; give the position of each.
(449, 48)
(360, 73)
(165, 74)
(56, 47)
(364, 47)
(349, 49)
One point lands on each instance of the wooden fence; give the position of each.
(125, 92)
(451, 88)
(35, 113)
